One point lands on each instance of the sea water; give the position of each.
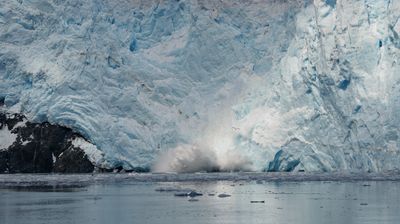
(150, 198)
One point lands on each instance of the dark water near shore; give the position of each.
(139, 199)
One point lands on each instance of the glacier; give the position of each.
(192, 85)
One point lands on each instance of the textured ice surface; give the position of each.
(315, 81)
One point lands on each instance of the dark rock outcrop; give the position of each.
(41, 148)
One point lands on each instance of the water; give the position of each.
(137, 199)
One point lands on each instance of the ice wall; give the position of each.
(237, 85)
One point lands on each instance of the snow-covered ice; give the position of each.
(94, 155)
(279, 85)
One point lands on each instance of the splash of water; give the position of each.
(210, 146)
(187, 158)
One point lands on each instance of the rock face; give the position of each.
(39, 148)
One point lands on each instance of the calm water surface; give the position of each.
(142, 202)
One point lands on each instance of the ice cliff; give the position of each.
(278, 85)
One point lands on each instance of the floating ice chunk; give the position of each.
(257, 201)
(180, 194)
(172, 189)
(223, 195)
(194, 194)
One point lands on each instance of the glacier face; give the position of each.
(202, 85)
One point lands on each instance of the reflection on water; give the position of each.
(141, 202)
(45, 188)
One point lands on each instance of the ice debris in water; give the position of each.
(223, 195)
(172, 189)
(87, 179)
(191, 194)
(257, 201)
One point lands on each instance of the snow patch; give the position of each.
(21, 124)
(94, 155)
(54, 158)
(7, 138)
(30, 139)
